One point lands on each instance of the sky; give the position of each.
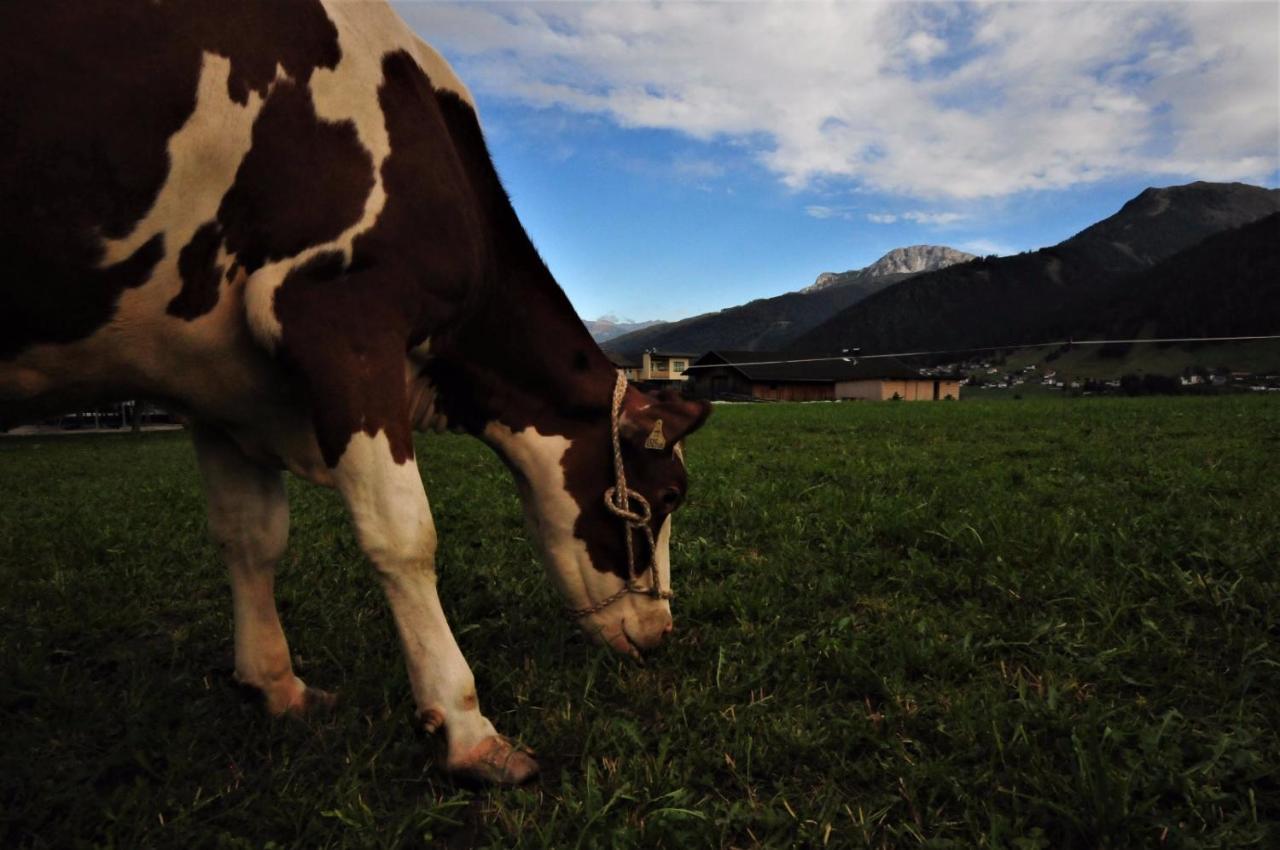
(670, 159)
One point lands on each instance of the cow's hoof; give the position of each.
(495, 761)
(291, 699)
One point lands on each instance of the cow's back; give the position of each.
(165, 167)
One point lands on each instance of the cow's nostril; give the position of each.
(671, 627)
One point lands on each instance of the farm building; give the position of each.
(664, 365)
(750, 374)
(629, 366)
(655, 369)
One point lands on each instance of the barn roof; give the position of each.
(623, 362)
(827, 370)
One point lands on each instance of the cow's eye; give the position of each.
(669, 498)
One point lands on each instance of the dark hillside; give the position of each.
(760, 325)
(1228, 285)
(1008, 300)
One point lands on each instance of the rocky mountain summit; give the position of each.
(768, 324)
(913, 259)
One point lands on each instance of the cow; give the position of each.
(281, 220)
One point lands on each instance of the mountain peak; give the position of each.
(610, 325)
(1159, 221)
(912, 259)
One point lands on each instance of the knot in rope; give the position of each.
(619, 499)
(618, 504)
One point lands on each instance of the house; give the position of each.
(662, 367)
(760, 375)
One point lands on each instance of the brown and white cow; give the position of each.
(281, 219)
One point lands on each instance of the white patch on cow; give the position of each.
(259, 302)
(203, 157)
(374, 29)
(387, 500)
(393, 523)
(552, 512)
(248, 515)
(663, 554)
(349, 92)
(441, 74)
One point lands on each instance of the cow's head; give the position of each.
(563, 480)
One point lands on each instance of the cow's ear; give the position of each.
(658, 423)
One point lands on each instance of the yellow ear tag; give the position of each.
(656, 440)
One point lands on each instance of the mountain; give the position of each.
(900, 261)
(1160, 222)
(1008, 301)
(770, 324)
(609, 326)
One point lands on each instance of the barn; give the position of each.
(758, 375)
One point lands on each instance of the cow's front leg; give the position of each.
(393, 521)
(249, 522)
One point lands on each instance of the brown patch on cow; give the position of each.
(302, 183)
(541, 366)
(348, 330)
(201, 275)
(90, 93)
(86, 118)
(61, 302)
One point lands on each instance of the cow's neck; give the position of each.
(519, 353)
(521, 358)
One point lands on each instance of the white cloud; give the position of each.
(926, 101)
(923, 47)
(824, 212)
(935, 219)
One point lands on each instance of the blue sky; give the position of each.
(671, 159)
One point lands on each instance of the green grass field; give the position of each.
(1043, 624)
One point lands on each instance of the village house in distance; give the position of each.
(656, 369)
(734, 375)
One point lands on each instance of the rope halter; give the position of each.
(619, 499)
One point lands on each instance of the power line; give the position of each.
(850, 358)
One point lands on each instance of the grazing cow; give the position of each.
(281, 219)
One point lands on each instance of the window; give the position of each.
(658, 365)
(679, 365)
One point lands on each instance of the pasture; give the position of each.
(1038, 624)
